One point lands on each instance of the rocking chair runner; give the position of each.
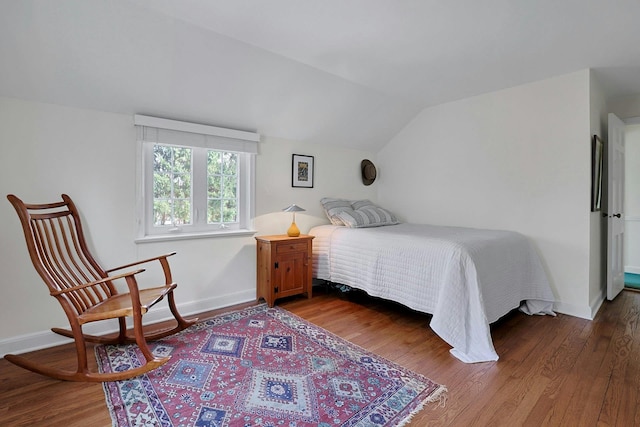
(86, 291)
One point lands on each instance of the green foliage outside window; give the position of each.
(222, 189)
(172, 186)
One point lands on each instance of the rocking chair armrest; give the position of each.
(97, 282)
(156, 258)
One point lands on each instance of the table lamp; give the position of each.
(293, 231)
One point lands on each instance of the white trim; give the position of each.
(631, 269)
(174, 132)
(584, 312)
(156, 122)
(632, 121)
(596, 304)
(191, 140)
(46, 339)
(31, 342)
(197, 137)
(141, 168)
(152, 238)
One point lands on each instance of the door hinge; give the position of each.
(275, 265)
(275, 290)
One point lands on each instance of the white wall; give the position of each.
(48, 150)
(516, 159)
(337, 174)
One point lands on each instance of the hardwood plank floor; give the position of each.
(553, 371)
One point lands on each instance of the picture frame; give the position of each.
(597, 153)
(302, 171)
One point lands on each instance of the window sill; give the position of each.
(191, 236)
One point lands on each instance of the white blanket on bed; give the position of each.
(466, 278)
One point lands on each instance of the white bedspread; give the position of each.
(466, 278)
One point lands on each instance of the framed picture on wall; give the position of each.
(302, 171)
(597, 148)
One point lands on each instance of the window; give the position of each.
(173, 187)
(195, 180)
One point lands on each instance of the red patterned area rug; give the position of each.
(262, 367)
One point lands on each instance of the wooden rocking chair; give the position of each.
(86, 291)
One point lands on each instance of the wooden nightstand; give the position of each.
(284, 266)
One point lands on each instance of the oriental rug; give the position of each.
(262, 367)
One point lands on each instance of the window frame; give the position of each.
(201, 139)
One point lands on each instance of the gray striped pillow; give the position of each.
(367, 216)
(332, 207)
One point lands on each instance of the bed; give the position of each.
(466, 278)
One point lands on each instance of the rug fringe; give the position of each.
(439, 395)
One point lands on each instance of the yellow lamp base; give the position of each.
(293, 231)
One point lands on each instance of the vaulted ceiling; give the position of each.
(343, 72)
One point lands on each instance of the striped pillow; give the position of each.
(367, 216)
(356, 214)
(332, 207)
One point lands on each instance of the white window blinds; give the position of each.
(174, 132)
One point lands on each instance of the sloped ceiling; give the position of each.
(342, 72)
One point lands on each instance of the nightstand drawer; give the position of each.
(283, 248)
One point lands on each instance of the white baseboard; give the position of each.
(632, 270)
(596, 304)
(584, 312)
(45, 339)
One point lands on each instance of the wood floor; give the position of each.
(553, 371)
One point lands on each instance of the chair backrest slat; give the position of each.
(55, 240)
(56, 255)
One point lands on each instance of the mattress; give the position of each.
(466, 278)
